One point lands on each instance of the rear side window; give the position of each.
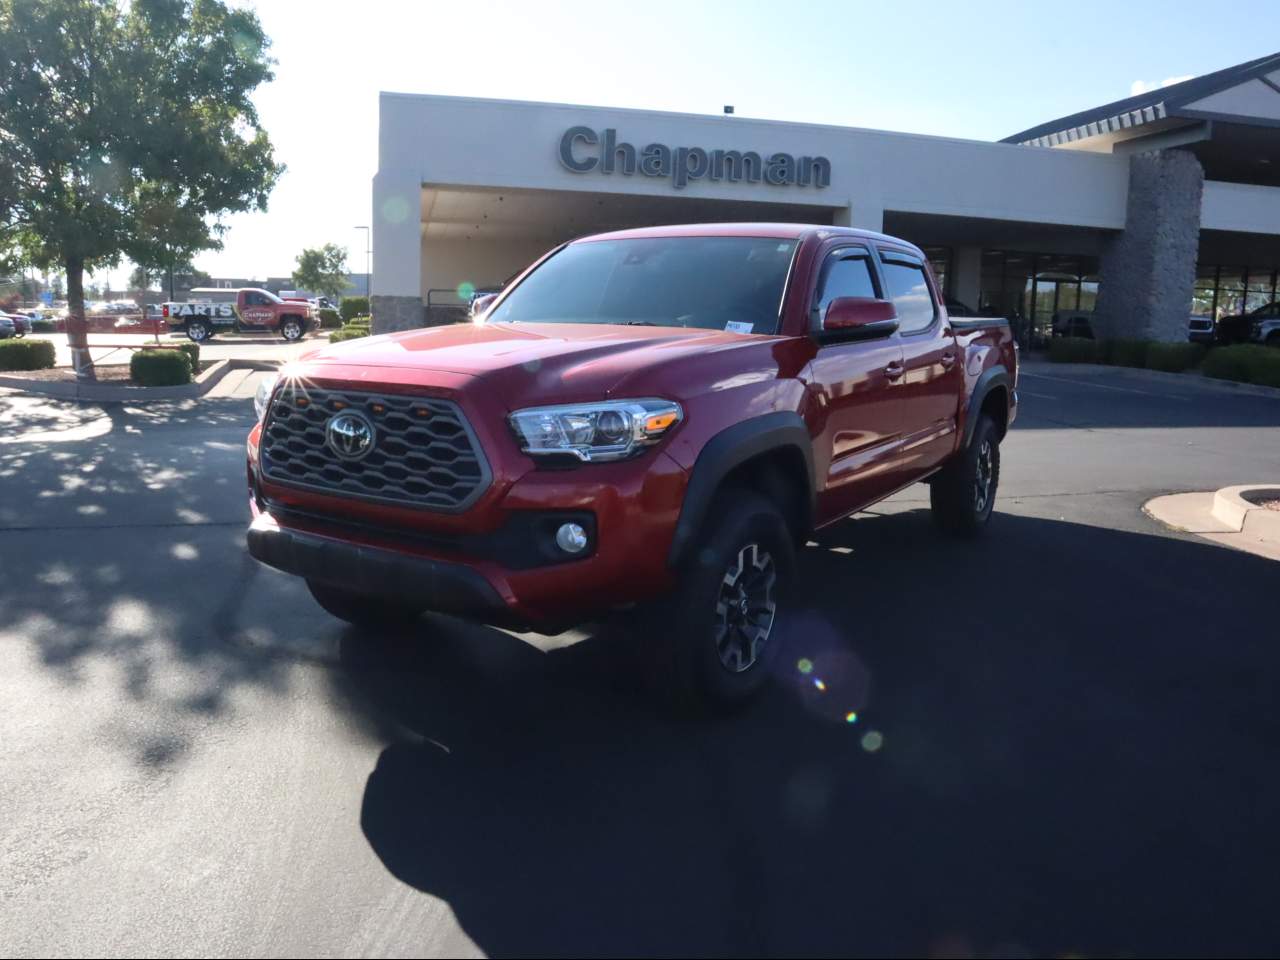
(909, 290)
(847, 273)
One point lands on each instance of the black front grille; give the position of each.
(424, 453)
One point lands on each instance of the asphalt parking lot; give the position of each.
(1064, 742)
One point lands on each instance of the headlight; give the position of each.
(263, 396)
(608, 430)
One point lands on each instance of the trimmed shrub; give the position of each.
(348, 332)
(160, 368)
(1123, 353)
(1174, 357)
(349, 307)
(1244, 363)
(329, 319)
(192, 350)
(1073, 350)
(365, 321)
(26, 354)
(43, 326)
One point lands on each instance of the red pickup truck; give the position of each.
(656, 413)
(242, 309)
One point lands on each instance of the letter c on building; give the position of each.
(586, 135)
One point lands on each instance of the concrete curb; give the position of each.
(1194, 379)
(1223, 517)
(107, 392)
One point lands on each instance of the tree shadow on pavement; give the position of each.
(1064, 742)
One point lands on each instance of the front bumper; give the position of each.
(437, 585)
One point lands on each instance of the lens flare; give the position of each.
(466, 290)
(872, 741)
(805, 666)
(817, 682)
(850, 717)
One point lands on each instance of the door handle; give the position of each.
(948, 360)
(894, 370)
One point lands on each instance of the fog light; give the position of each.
(571, 538)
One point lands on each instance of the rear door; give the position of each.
(928, 394)
(854, 388)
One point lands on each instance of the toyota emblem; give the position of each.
(349, 435)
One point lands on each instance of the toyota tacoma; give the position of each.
(662, 413)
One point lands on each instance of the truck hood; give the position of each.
(530, 363)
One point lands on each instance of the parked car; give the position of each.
(21, 324)
(1200, 328)
(655, 414)
(1257, 326)
(243, 309)
(7, 327)
(1073, 323)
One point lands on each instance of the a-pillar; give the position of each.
(1149, 270)
(396, 301)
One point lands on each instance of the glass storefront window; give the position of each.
(940, 262)
(1230, 291)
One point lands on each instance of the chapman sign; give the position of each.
(583, 150)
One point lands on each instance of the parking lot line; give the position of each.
(1102, 386)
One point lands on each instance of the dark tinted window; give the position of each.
(256, 300)
(909, 291)
(716, 283)
(847, 274)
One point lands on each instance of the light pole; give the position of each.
(368, 266)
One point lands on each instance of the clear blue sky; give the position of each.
(981, 70)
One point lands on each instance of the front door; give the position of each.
(257, 310)
(853, 387)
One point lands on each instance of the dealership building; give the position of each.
(1141, 211)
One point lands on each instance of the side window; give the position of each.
(255, 300)
(847, 273)
(909, 290)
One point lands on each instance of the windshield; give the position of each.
(716, 283)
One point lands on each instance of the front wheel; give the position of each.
(362, 610)
(732, 605)
(963, 493)
(291, 329)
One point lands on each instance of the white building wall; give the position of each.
(451, 141)
(448, 261)
(1241, 207)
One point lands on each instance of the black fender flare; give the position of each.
(724, 452)
(990, 379)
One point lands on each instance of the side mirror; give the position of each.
(480, 304)
(859, 318)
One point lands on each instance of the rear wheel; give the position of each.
(963, 494)
(362, 610)
(732, 606)
(198, 331)
(291, 329)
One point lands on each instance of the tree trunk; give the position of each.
(77, 326)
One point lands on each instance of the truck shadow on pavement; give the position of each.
(1064, 742)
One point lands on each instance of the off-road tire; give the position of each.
(963, 493)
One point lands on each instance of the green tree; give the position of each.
(322, 270)
(144, 278)
(116, 117)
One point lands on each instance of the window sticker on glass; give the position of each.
(735, 326)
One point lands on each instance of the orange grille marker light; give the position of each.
(302, 402)
(339, 404)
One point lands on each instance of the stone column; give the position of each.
(396, 300)
(1149, 270)
(967, 283)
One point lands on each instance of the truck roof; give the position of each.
(782, 231)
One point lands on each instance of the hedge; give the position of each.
(192, 350)
(1073, 350)
(349, 307)
(1123, 353)
(329, 319)
(349, 332)
(1244, 363)
(43, 326)
(1175, 357)
(26, 354)
(160, 368)
(364, 320)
